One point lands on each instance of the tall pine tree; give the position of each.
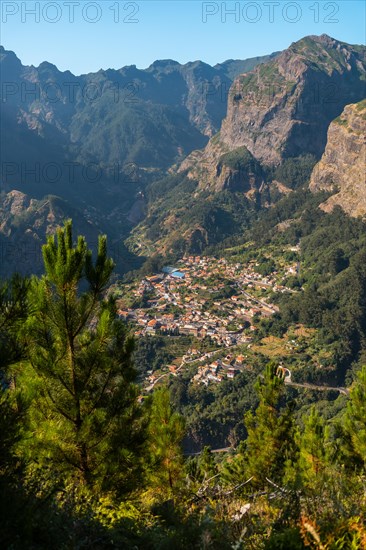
(270, 430)
(13, 312)
(312, 440)
(84, 421)
(166, 431)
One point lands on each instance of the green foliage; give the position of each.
(177, 183)
(241, 159)
(77, 382)
(332, 252)
(13, 312)
(270, 430)
(83, 464)
(295, 172)
(289, 539)
(129, 133)
(206, 463)
(312, 444)
(166, 431)
(214, 414)
(151, 354)
(266, 267)
(355, 421)
(314, 498)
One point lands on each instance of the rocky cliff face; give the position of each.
(341, 169)
(283, 108)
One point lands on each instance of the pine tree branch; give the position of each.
(238, 486)
(277, 486)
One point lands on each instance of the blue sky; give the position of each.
(84, 36)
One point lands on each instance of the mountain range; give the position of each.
(274, 133)
(95, 140)
(114, 116)
(175, 157)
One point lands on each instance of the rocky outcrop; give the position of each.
(218, 169)
(341, 169)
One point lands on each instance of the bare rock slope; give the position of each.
(341, 169)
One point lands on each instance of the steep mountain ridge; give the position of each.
(24, 225)
(282, 109)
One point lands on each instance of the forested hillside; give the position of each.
(86, 463)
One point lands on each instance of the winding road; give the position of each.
(289, 382)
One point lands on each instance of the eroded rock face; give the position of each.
(283, 107)
(15, 203)
(341, 169)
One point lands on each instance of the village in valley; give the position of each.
(209, 300)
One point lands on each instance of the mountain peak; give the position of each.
(313, 44)
(47, 65)
(163, 64)
(8, 55)
(322, 38)
(319, 39)
(273, 110)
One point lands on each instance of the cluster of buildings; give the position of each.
(174, 302)
(220, 369)
(203, 297)
(209, 370)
